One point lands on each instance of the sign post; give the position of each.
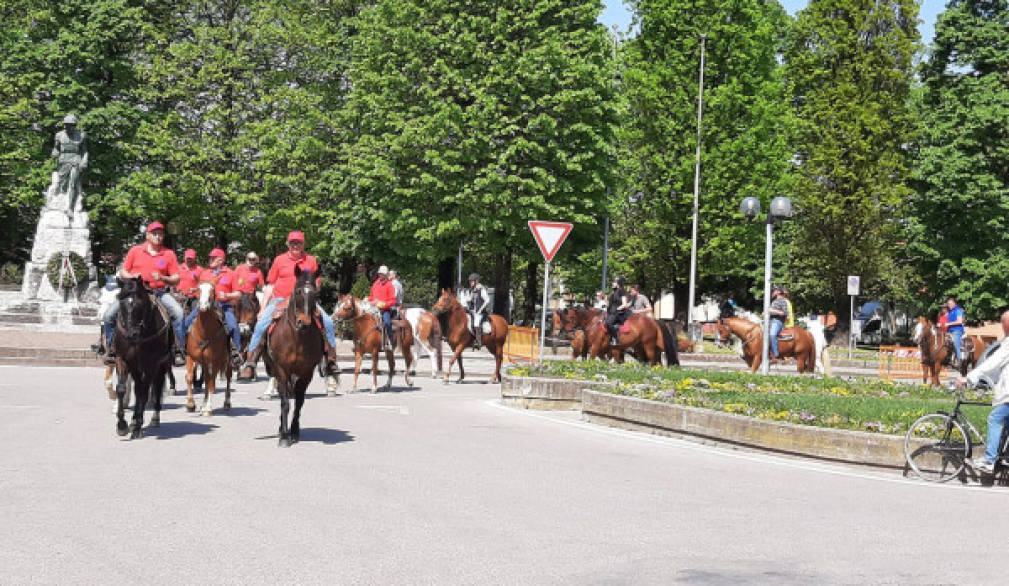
(549, 237)
(853, 283)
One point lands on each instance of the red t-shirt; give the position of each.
(189, 278)
(248, 279)
(383, 292)
(942, 321)
(140, 260)
(224, 281)
(282, 272)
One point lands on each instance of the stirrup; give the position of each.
(110, 359)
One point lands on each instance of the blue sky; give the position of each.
(616, 13)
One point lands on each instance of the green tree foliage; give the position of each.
(961, 212)
(745, 132)
(849, 70)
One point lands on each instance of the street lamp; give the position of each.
(781, 208)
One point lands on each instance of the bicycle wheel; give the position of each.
(936, 447)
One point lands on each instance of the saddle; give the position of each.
(786, 335)
(161, 308)
(278, 311)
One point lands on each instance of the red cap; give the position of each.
(155, 226)
(296, 235)
(190, 253)
(217, 252)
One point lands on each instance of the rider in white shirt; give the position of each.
(994, 368)
(478, 302)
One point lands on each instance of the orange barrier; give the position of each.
(523, 344)
(901, 362)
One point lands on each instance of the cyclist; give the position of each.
(995, 368)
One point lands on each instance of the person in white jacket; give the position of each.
(995, 368)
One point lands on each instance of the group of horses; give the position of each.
(936, 348)
(294, 347)
(646, 338)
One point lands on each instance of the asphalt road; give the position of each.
(442, 485)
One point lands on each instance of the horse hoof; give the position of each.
(284, 442)
(155, 422)
(227, 406)
(136, 434)
(122, 428)
(190, 408)
(332, 394)
(206, 412)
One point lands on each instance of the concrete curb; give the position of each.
(676, 420)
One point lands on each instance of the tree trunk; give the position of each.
(446, 274)
(532, 292)
(347, 272)
(502, 284)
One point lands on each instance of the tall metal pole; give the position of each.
(543, 319)
(606, 251)
(458, 280)
(764, 365)
(697, 188)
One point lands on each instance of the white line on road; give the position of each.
(760, 458)
(391, 408)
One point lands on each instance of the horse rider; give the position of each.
(779, 314)
(398, 285)
(790, 322)
(600, 300)
(727, 308)
(224, 282)
(158, 267)
(994, 368)
(479, 299)
(282, 278)
(618, 309)
(954, 325)
(189, 276)
(640, 303)
(248, 275)
(383, 295)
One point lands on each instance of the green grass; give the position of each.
(864, 405)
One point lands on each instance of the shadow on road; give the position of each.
(319, 435)
(178, 429)
(238, 411)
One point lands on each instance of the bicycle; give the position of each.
(939, 445)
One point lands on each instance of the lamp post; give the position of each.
(697, 188)
(781, 208)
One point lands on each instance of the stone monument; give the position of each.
(63, 227)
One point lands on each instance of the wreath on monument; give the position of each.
(53, 270)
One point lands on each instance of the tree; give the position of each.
(849, 71)
(960, 227)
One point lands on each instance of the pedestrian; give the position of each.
(994, 368)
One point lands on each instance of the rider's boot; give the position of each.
(332, 369)
(251, 360)
(236, 358)
(179, 353)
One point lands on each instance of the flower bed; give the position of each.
(863, 405)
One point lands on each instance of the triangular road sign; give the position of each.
(549, 236)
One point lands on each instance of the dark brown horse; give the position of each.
(802, 345)
(644, 336)
(973, 348)
(293, 349)
(143, 343)
(246, 313)
(207, 347)
(455, 326)
(935, 345)
(367, 325)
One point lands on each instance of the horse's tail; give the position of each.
(669, 341)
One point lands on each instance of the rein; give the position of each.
(121, 329)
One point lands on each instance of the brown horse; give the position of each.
(246, 313)
(935, 345)
(801, 346)
(207, 347)
(367, 324)
(573, 321)
(644, 336)
(293, 349)
(426, 337)
(973, 348)
(455, 325)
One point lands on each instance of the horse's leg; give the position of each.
(122, 398)
(390, 360)
(284, 386)
(141, 388)
(227, 387)
(498, 358)
(456, 355)
(410, 362)
(209, 386)
(109, 387)
(171, 380)
(157, 387)
(462, 371)
(299, 399)
(374, 367)
(358, 356)
(190, 372)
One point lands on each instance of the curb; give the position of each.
(839, 445)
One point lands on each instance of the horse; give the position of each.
(455, 320)
(207, 347)
(367, 323)
(574, 320)
(972, 350)
(293, 349)
(935, 348)
(426, 336)
(802, 346)
(644, 336)
(246, 313)
(143, 344)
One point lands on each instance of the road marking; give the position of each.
(391, 408)
(759, 458)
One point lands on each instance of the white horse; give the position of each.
(426, 338)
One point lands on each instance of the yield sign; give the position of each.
(549, 236)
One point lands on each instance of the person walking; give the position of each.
(994, 368)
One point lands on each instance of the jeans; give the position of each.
(957, 335)
(387, 320)
(996, 421)
(230, 322)
(264, 322)
(776, 326)
(169, 303)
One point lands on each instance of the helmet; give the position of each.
(70, 119)
(474, 277)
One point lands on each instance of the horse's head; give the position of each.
(135, 307)
(923, 325)
(206, 289)
(248, 309)
(724, 334)
(346, 308)
(304, 298)
(565, 320)
(446, 301)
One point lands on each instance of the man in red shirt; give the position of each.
(189, 275)
(383, 295)
(282, 279)
(159, 268)
(224, 281)
(248, 275)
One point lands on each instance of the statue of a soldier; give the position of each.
(71, 150)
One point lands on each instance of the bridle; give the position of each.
(751, 334)
(291, 315)
(142, 322)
